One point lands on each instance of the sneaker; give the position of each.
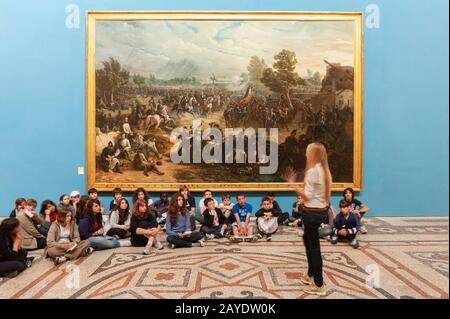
(334, 240)
(11, 274)
(307, 280)
(59, 260)
(209, 236)
(158, 245)
(88, 251)
(29, 261)
(149, 251)
(116, 237)
(269, 238)
(355, 243)
(314, 290)
(363, 230)
(291, 224)
(201, 242)
(172, 246)
(236, 239)
(259, 236)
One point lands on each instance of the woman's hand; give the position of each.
(17, 244)
(290, 176)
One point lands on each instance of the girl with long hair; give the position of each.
(190, 203)
(119, 220)
(91, 227)
(48, 211)
(63, 240)
(144, 228)
(141, 193)
(13, 259)
(316, 198)
(178, 226)
(81, 205)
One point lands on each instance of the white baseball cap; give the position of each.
(74, 193)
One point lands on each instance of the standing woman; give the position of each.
(316, 197)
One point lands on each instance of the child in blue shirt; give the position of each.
(242, 212)
(346, 225)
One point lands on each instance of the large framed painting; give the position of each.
(221, 100)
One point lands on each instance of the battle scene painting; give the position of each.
(153, 76)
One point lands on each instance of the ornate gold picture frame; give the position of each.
(160, 70)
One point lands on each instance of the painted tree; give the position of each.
(313, 78)
(256, 68)
(138, 79)
(111, 78)
(282, 78)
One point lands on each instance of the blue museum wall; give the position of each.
(406, 102)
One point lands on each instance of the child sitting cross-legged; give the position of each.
(227, 210)
(267, 220)
(178, 225)
(346, 225)
(144, 228)
(214, 226)
(242, 227)
(63, 239)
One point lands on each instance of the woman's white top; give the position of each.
(315, 187)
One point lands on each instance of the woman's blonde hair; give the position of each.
(317, 153)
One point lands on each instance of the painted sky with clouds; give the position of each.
(222, 47)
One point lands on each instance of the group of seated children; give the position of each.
(77, 225)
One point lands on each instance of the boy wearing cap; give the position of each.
(346, 225)
(74, 198)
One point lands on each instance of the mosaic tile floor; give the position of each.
(403, 257)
